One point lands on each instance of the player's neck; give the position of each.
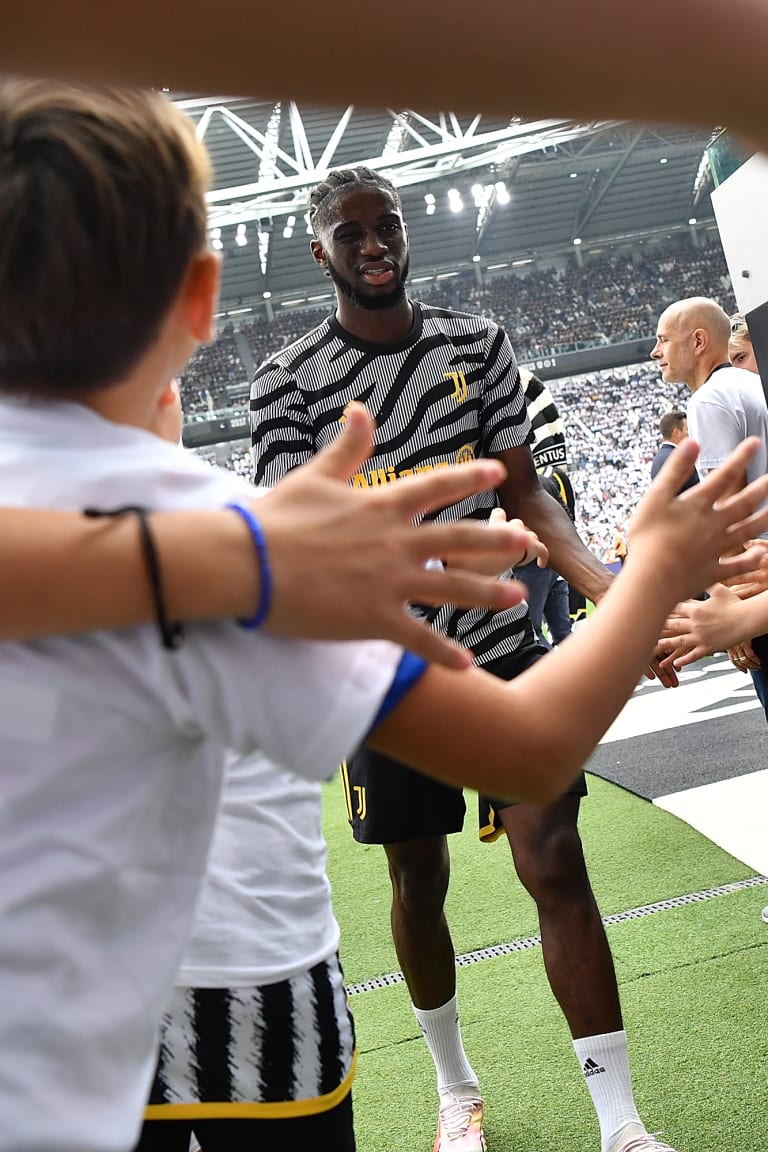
(384, 326)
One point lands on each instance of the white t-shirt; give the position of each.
(111, 757)
(729, 406)
(265, 911)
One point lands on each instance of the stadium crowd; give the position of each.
(611, 417)
(211, 374)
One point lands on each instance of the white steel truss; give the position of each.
(416, 149)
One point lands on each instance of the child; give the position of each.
(112, 747)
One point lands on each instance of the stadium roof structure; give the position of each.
(476, 190)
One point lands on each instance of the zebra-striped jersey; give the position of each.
(448, 393)
(547, 428)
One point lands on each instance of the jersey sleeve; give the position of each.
(504, 421)
(281, 428)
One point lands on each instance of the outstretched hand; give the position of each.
(699, 628)
(346, 562)
(691, 537)
(688, 540)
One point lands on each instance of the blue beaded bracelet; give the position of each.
(265, 572)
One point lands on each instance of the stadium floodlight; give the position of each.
(216, 241)
(455, 203)
(577, 241)
(502, 193)
(240, 237)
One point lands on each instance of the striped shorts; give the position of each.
(272, 1051)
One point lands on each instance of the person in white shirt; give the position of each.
(112, 745)
(727, 404)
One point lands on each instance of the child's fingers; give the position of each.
(414, 495)
(465, 541)
(737, 565)
(434, 490)
(746, 511)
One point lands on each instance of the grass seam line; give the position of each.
(493, 951)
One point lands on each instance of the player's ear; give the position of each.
(169, 395)
(199, 294)
(318, 254)
(700, 338)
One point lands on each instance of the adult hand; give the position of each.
(524, 544)
(713, 524)
(663, 671)
(743, 657)
(346, 562)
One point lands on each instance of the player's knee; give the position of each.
(420, 879)
(553, 867)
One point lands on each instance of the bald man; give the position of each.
(727, 405)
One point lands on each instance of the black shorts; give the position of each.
(387, 802)
(331, 1129)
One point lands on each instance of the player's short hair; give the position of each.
(343, 180)
(102, 206)
(670, 421)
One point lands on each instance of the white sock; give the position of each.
(455, 1076)
(604, 1061)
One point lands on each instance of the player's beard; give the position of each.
(372, 303)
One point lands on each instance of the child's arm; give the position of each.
(344, 561)
(62, 573)
(529, 738)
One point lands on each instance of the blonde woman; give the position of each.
(741, 352)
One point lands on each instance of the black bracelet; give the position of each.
(171, 634)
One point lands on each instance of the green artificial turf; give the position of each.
(692, 982)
